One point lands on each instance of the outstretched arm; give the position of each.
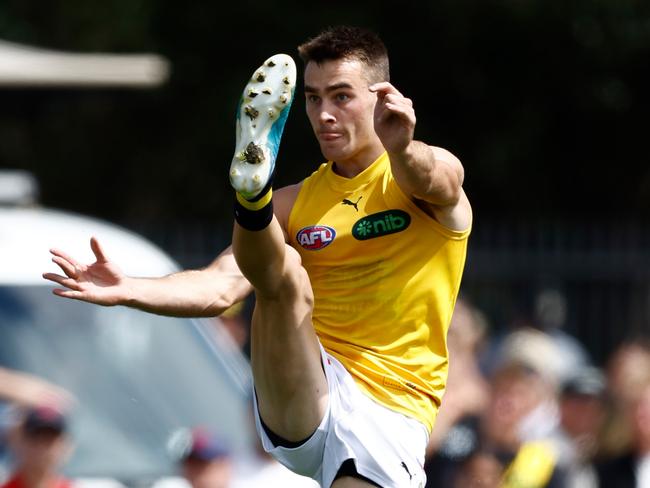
(195, 293)
(29, 390)
(426, 173)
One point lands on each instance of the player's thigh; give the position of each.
(285, 355)
(283, 338)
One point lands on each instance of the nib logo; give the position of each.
(381, 224)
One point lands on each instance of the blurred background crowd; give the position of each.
(530, 408)
(545, 103)
(525, 408)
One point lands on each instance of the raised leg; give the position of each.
(289, 380)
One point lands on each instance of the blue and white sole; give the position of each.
(261, 115)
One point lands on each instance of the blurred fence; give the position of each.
(602, 267)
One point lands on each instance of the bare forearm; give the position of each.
(426, 173)
(201, 293)
(194, 293)
(25, 389)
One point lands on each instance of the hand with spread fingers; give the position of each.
(101, 282)
(394, 117)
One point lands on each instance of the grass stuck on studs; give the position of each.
(263, 109)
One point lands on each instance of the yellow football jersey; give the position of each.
(385, 277)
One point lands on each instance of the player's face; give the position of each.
(340, 108)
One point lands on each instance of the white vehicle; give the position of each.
(137, 378)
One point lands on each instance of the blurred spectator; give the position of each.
(40, 445)
(506, 426)
(534, 466)
(542, 424)
(628, 370)
(534, 349)
(550, 316)
(480, 470)
(467, 391)
(24, 390)
(511, 434)
(206, 463)
(641, 419)
(522, 408)
(632, 469)
(528, 362)
(466, 395)
(583, 410)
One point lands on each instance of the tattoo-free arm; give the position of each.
(427, 174)
(195, 293)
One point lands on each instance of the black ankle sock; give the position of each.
(254, 214)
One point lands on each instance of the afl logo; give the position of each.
(315, 237)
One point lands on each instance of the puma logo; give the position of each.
(351, 203)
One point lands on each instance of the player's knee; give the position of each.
(296, 286)
(292, 286)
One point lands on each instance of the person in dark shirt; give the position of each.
(632, 469)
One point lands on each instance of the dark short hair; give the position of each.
(341, 42)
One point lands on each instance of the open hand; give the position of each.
(101, 282)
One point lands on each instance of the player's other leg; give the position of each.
(349, 482)
(290, 384)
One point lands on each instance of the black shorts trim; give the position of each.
(348, 468)
(279, 441)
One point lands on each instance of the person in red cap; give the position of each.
(206, 463)
(40, 445)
